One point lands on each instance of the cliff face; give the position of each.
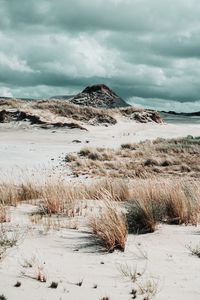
(99, 96)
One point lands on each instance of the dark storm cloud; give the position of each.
(142, 48)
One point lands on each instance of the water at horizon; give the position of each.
(180, 119)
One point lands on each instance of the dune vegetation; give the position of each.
(148, 159)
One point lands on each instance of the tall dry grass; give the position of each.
(148, 201)
(11, 194)
(118, 189)
(59, 198)
(153, 201)
(109, 226)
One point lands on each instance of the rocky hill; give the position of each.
(99, 96)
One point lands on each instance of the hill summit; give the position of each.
(99, 95)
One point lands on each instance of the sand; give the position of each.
(42, 150)
(63, 255)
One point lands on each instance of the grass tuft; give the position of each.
(109, 226)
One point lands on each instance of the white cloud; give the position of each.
(14, 63)
(5, 92)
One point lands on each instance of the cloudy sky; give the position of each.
(148, 51)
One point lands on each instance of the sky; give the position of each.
(148, 51)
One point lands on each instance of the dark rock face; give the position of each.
(99, 96)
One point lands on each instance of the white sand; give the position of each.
(168, 263)
(43, 149)
(161, 257)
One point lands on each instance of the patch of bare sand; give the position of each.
(64, 257)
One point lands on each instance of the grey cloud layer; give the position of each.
(141, 48)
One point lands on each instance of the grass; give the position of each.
(141, 217)
(194, 250)
(3, 213)
(57, 198)
(130, 272)
(153, 201)
(46, 109)
(158, 158)
(8, 239)
(148, 201)
(89, 115)
(109, 226)
(148, 287)
(11, 194)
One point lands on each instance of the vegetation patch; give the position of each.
(148, 159)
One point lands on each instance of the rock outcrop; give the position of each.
(147, 116)
(99, 96)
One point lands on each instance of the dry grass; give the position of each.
(109, 226)
(11, 194)
(9, 237)
(89, 115)
(118, 189)
(130, 272)
(54, 193)
(159, 158)
(4, 210)
(60, 109)
(58, 198)
(194, 250)
(141, 217)
(148, 287)
(148, 201)
(153, 201)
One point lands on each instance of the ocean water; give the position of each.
(180, 119)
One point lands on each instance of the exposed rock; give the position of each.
(141, 115)
(17, 115)
(99, 95)
(147, 116)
